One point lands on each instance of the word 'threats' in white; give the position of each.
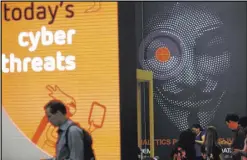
(38, 64)
(45, 37)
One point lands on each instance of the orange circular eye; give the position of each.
(163, 54)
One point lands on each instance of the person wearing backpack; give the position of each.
(74, 143)
(199, 139)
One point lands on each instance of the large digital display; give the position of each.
(197, 55)
(66, 51)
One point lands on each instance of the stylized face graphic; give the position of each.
(185, 49)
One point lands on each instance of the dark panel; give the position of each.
(205, 76)
(128, 108)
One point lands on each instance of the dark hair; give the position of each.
(187, 142)
(56, 106)
(243, 121)
(232, 117)
(186, 136)
(211, 139)
(198, 126)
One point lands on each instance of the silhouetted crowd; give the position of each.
(197, 143)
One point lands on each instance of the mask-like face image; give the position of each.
(185, 48)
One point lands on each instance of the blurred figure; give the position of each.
(238, 136)
(199, 139)
(243, 127)
(211, 150)
(184, 149)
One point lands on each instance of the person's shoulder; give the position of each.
(75, 129)
(203, 133)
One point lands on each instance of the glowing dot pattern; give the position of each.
(199, 56)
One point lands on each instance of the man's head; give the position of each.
(196, 128)
(243, 124)
(56, 112)
(232, 121)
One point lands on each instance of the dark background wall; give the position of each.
(224, 65)
(127, 70)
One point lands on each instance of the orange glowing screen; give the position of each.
(66, 51)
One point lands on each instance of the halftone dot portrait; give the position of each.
(197, 54)
(192, 36)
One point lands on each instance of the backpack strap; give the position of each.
(67, 134)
